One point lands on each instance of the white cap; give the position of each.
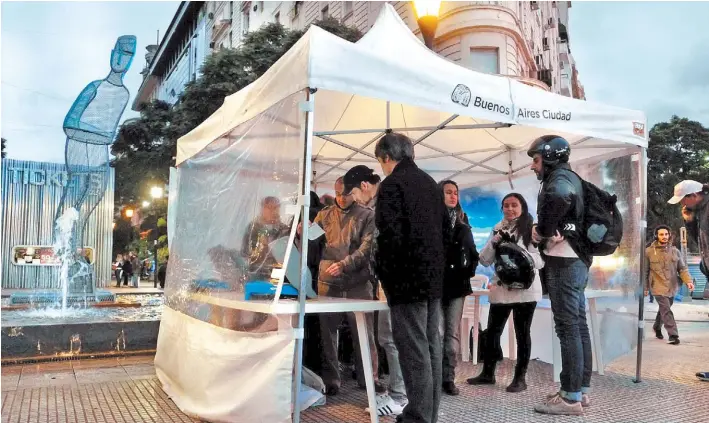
(685, 188)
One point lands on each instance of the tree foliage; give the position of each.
(145, 148)
(678, 150)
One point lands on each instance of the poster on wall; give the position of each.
(42, 255)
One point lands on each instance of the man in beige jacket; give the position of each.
(664, 263)
(344, 273)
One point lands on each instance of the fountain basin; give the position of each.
(54, 296)
(46, 333)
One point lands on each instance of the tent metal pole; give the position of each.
(309, 108)
(641, 289)
(388, 115)
(436, 129)
(354, 153)
(414, 128)
(344, 145)
(479, 164)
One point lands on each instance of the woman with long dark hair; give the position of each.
(461, 261)
(516, 226)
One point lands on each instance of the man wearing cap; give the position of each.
(363, 184)
(344, 273)
(692, 195)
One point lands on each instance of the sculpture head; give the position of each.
(123, 53)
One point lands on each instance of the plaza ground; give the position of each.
(126, 390)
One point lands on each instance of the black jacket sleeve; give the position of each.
(389, 217)
(472, 253)
(557, 198)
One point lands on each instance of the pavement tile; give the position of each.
(129, 392)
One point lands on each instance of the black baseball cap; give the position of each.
(355, 176)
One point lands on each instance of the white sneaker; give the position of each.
(386, 406)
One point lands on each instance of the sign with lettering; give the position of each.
(45, 177)
(42, 255)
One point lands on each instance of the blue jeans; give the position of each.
(566, 281)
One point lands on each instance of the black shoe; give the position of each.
(482, 379)
(674, 340)
(517, 385)
(450, 388)
(332, 390)
(658, 334)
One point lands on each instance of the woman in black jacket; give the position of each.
(461, 261)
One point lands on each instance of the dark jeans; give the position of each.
(522, 315)
(416, 330)
(665, 315)
(329, 324)
(566, 280)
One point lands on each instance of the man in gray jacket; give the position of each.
(344, 272)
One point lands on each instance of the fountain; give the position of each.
(90, 127)
(78, 319)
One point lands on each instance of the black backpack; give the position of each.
(602, 227)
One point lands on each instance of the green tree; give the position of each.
(145, 148)
(678, 150)
(4, 145)
(143, 153)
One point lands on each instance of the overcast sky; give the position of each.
(643, 55)
(51, 50)
(649, 56)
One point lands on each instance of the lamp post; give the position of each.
(427, 18)
(156, 193)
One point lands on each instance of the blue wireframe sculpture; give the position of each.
(90, 127)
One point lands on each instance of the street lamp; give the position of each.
(156, 193)
(129, 213)
(427, 18)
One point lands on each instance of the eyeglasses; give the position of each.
(342, 195)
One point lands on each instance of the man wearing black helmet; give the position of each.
(560, 215)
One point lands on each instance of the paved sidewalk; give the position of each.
(695, 311)
(126, 390)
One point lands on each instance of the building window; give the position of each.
(485, 60)
(346, 8)
(325, 13)
(245, 24)
(278, 17)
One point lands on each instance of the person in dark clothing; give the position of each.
(560, 208)
(312, 345)
(162, 272)
(461, 261)
(411, 219)
(516, 226)
(266, 228)
(127, 269)
(118, 269)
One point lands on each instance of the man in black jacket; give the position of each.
(410, 219)
(560, 215)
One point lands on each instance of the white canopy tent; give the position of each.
(466, 125)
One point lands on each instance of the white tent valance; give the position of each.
(389, 79)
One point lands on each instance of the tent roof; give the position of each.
(472, 126)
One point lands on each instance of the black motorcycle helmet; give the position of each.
(514, 266)
(553, 148)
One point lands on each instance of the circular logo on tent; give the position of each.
(461, 95)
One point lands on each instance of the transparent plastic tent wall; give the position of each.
(221, 232)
